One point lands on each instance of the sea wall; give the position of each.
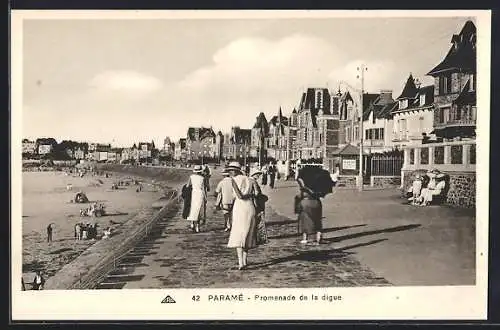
(92, 265)
(171, 176)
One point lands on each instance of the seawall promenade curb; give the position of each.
(95, 262)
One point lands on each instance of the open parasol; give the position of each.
(317, 179)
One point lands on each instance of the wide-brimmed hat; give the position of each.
(440, 176)
(233, 166)
(197, 169)
(225, 172)
(255, 171)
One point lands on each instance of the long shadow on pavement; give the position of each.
(371, 232)
(325, 230)
(316, 255)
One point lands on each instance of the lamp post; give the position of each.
(361, 68)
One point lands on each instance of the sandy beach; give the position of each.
(46, 200)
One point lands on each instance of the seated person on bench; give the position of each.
(434, 189)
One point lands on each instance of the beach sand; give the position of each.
(46, 200)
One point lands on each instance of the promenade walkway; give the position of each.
(370, 239)
(174, 257)
(407, 245)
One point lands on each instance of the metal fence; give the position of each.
(386, 165)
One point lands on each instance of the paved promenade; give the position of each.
(174, 257)
(407, 245)
(371, 239)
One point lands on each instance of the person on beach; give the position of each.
(243, 235)
(78, 232)
(198, 198)
(38, 281)
(49, 233)
(309, 209)
(225, 198)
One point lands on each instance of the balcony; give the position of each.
(373, 143)
(456, 123)
(399, 137)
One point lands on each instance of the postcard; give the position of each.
(250, 165)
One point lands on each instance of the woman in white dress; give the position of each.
(198, 198)
(243, 235)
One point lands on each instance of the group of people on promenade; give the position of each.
(242, 202)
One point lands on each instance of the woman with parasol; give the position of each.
(314, 183)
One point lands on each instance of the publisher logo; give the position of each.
(168, 300)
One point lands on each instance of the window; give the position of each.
(422, 99)
(472, 82)
(318, 100)
(403, 104)
(439, 155)
(445, 84)
(402, 128)
(412, 156)
(456, 154)
(356, 133)
(458, 112)
(348, 134)
(442, 115)
(421, 125)
(381, 133)
(472, 154)
(424, 156)
(376, 135)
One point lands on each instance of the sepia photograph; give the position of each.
(255, 164)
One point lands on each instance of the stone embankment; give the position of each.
(88, 268)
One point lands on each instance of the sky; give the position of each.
(124, 81)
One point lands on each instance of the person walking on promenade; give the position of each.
(260, 204)
(49, 233)
(198, 198)
(336, 174)
(207, 174)
(309, 209)
(272, 174)
(225, 198)
(264, 175)
(243, 235)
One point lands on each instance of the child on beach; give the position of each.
(309, 209)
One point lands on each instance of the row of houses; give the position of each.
(326, 122)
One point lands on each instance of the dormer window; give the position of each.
(422, 99)
(403, 104)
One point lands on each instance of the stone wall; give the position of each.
(462, 190)
(462, 187)
(347, 181)
(385, 181)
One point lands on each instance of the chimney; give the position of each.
(386, 96)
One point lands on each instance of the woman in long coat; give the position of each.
(243, 235)
(310, 211)
(198, 198)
